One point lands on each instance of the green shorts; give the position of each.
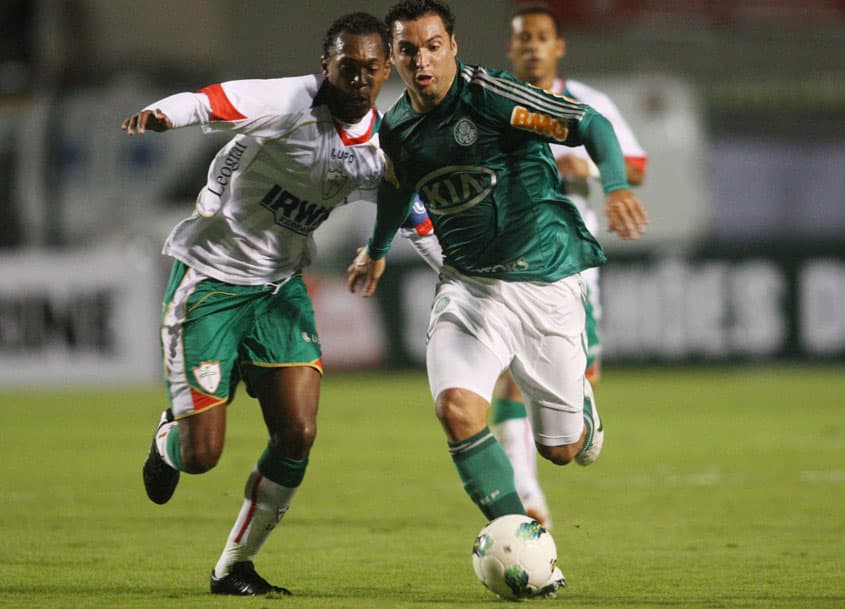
(214, 333)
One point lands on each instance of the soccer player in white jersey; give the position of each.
(536, 46)
(236, 307)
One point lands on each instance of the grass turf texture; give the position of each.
(716, 489)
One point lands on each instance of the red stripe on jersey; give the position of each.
(253, 501)
(425, 227)
(639, 162)
(348, 140)
(221, 108)
(202, 401)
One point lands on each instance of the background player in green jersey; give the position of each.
(473, 142)
(236, 307)
(535, 47)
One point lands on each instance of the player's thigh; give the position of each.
(467, 346)
(458, 360)
(203, 322)
(289, 399)
(550, 360)
(280, 360)
(202, 436)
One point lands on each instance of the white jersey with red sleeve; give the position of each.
(577, 190)
(289, 164)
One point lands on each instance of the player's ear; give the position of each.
(454, 43)
(324, 65)
(561, 47)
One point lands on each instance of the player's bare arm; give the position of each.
(626, 215)
(154, 120)
(364, 271)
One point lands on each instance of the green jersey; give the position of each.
(481, 164)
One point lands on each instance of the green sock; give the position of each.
(282, 470)
(487, 474)
(504, 409)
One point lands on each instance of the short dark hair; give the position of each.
(538, 9)
(410, 10)
(358, 24)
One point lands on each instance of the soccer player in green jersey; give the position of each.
(474, 143)
(536, 46)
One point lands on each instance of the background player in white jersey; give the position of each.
(236, 307)
(536, 45)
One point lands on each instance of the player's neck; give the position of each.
(546, 82)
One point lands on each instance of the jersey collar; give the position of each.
(349, 140)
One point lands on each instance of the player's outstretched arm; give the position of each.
(155, 120)
(626, 216)
(364, 270)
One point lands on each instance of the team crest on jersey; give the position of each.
(465, 132)
(208, 375)
(334, 181)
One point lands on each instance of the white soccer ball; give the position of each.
(514, 556)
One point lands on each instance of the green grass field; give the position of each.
(717, 488)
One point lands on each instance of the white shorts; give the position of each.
(479, 327)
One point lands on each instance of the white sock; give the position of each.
(265, 502)
(518, 442)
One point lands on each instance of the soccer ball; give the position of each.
(514, 556)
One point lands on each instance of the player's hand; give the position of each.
(626, 216)
(154, 120)
(364, 270)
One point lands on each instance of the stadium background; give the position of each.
(741, 106)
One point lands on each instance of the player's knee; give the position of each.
(559, 455)
(296, 438)
(451, 410)
(201, 458)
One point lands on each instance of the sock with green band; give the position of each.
(268, 494)
(169, 445)
(504, 409)
(173, 448)
(487, 474)
(282, 470)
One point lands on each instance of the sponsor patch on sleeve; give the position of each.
(539, 123)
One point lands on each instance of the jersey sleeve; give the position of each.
(632, 150)
(183, 109)
(520, 108)
(393, 206)
(394, 201)
(259, 107)
(418, 229)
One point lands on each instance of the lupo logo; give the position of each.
(455, 188)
